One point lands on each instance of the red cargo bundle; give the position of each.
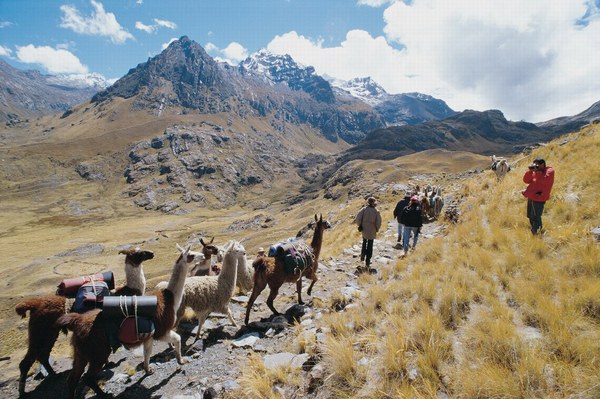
(69, 286)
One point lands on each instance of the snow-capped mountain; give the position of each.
(365, 89)
(81, 81)
(396, 109)
(276, 68)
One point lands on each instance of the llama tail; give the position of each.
(68, 321)
(22, 307)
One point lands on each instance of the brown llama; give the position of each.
(45, 310)
(91, 343)
(203, 266)
(271, 272)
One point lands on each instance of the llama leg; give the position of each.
(271, 298)
(259, 286)
(24, 367)
(298, 290)
(147, 352)
(310, 287)
(230, 315)
(201, 319)
(175, 339)
(75, 374)
(91, 377)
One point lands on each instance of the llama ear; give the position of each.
(181, 249)
(202, 242)
(321, 218)
(316, 219)
(211, 240)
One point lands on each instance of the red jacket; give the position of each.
(540, 183)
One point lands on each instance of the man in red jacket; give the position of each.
(539, 178)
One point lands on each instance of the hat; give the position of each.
(261, 249)
(539, 160)
(408, 193)
(372, 201)
(414, 199)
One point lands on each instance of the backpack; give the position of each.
(69, 287)
(135, 314)
(90, 296)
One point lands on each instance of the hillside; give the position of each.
(480, 309)
(485, 132)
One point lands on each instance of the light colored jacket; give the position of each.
(370, 219)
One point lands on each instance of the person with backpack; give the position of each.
(403, 203)
(412, 220)
(368, 220)
(540, 179)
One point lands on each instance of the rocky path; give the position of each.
(215, 362)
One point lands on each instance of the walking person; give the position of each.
(412, 220)
(540, 179)
(368, 220)
(403, 203)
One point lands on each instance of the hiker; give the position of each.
(412, 220)
(403, 203)
(368, 220)
(260, 253)
(540, 179)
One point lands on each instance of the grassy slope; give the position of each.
(487, 311)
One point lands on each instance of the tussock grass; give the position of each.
(488, 310)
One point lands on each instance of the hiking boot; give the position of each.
(360, 270)
(372, 270)
(398, 245)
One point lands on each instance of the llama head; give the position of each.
(321, 224)
(208, 249)
(135, 256)
(238, 249)
(186, 255)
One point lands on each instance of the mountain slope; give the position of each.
(485, 132)
(26, 94)
(567, 124)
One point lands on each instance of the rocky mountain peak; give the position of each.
(365, 89)
(277, 68)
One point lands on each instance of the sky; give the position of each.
(532, 59)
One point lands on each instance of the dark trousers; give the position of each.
(534, 213)
(367, 250)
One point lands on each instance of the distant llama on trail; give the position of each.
(271, 271)
(500, 166)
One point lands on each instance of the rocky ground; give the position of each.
(216, 361)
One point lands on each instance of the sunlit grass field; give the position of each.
(487, 310)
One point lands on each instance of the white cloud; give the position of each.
(157, 24)
(532, 60)
(53, 60)
(233, 54)
(165, 45)
(359, 55)
(100, 23)
(166, 24)
(139, 2)
(5, 24)
(374, 3)
(5, 51)
(146, 28)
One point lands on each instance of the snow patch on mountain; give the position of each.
(81, 81)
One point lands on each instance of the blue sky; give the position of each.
(534, 59)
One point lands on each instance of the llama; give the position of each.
(45, 310)
(425, 206)
(438, 202)
(203, 267)
(90, 341)
(271, 272)
(500, 166)
(206, 294)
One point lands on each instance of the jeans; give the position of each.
(534, 213)
(407, 231)
(400, 228)
(367, 250)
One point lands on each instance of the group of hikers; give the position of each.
(539, 179)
